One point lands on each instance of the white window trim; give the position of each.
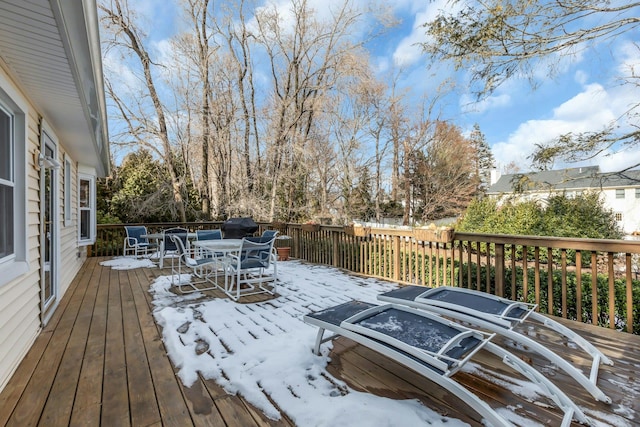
(67, 190)
(15, 266)
(92, 208)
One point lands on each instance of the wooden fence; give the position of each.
(589, 280)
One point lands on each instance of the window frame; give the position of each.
(12, 102)
(91, 199)
(9, 181)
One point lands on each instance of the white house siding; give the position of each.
(20, 320)
(70, 263)
(20, 298)
(629, 207)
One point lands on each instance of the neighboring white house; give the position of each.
(53, 146)
(619, 191)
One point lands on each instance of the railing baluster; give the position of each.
(478, 268)
(594, 289)
(550, 281)
(612, 292)
(537, 275)
(563, 258)
(579, 285)
(514, 287)
(629, 293)
(525, 274)
(499, 269)
(469, 283)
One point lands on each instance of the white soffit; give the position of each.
(51, 48)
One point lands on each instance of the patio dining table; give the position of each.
(160, 238)
(221, 248)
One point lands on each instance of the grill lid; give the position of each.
(237, 228)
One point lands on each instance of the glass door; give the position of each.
(49, 235)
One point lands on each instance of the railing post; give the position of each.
(396, 258)
(499, 270)
(335, 242)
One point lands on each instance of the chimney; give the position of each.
(495, 176)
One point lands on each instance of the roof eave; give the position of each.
(78, 28)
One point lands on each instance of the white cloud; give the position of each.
(123, 76)
(590, 110)
(408, 52)
(587, 105)
(581, 77)
(468, 103)
(630, 61)
(620, 160)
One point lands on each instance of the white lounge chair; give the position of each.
(501, 316)
(431, 346)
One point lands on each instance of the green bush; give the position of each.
(560, 216)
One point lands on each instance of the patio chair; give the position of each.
(432, 346)
(208, 235)
(200, 267)
(135, 243)
(249, 268)
(501, 316)
(167, 245)
(269, 233)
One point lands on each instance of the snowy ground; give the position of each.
(265, 349)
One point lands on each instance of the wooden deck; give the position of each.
(101, 361)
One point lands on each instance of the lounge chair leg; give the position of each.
(316, 349)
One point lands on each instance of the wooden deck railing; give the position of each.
(589, 280)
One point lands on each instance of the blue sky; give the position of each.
(585, 96)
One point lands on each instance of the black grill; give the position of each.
(237, 228)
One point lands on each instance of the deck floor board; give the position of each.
(101, 361)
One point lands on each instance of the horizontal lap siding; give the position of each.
(70, 262)
(20, 299)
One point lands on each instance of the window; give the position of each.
(7, 185)
(637, 193)
(67, 191)
(13, 200)
(87, 210)
(619, 193)
(618, 216)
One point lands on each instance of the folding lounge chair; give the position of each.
(431, 346)
(501, 316)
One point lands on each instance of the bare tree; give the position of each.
(197, 12)
(305, 61)
(498, 39)
(144, 126)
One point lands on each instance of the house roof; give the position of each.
(583, 178)
(52, 49)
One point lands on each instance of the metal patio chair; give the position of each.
(136, 244)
